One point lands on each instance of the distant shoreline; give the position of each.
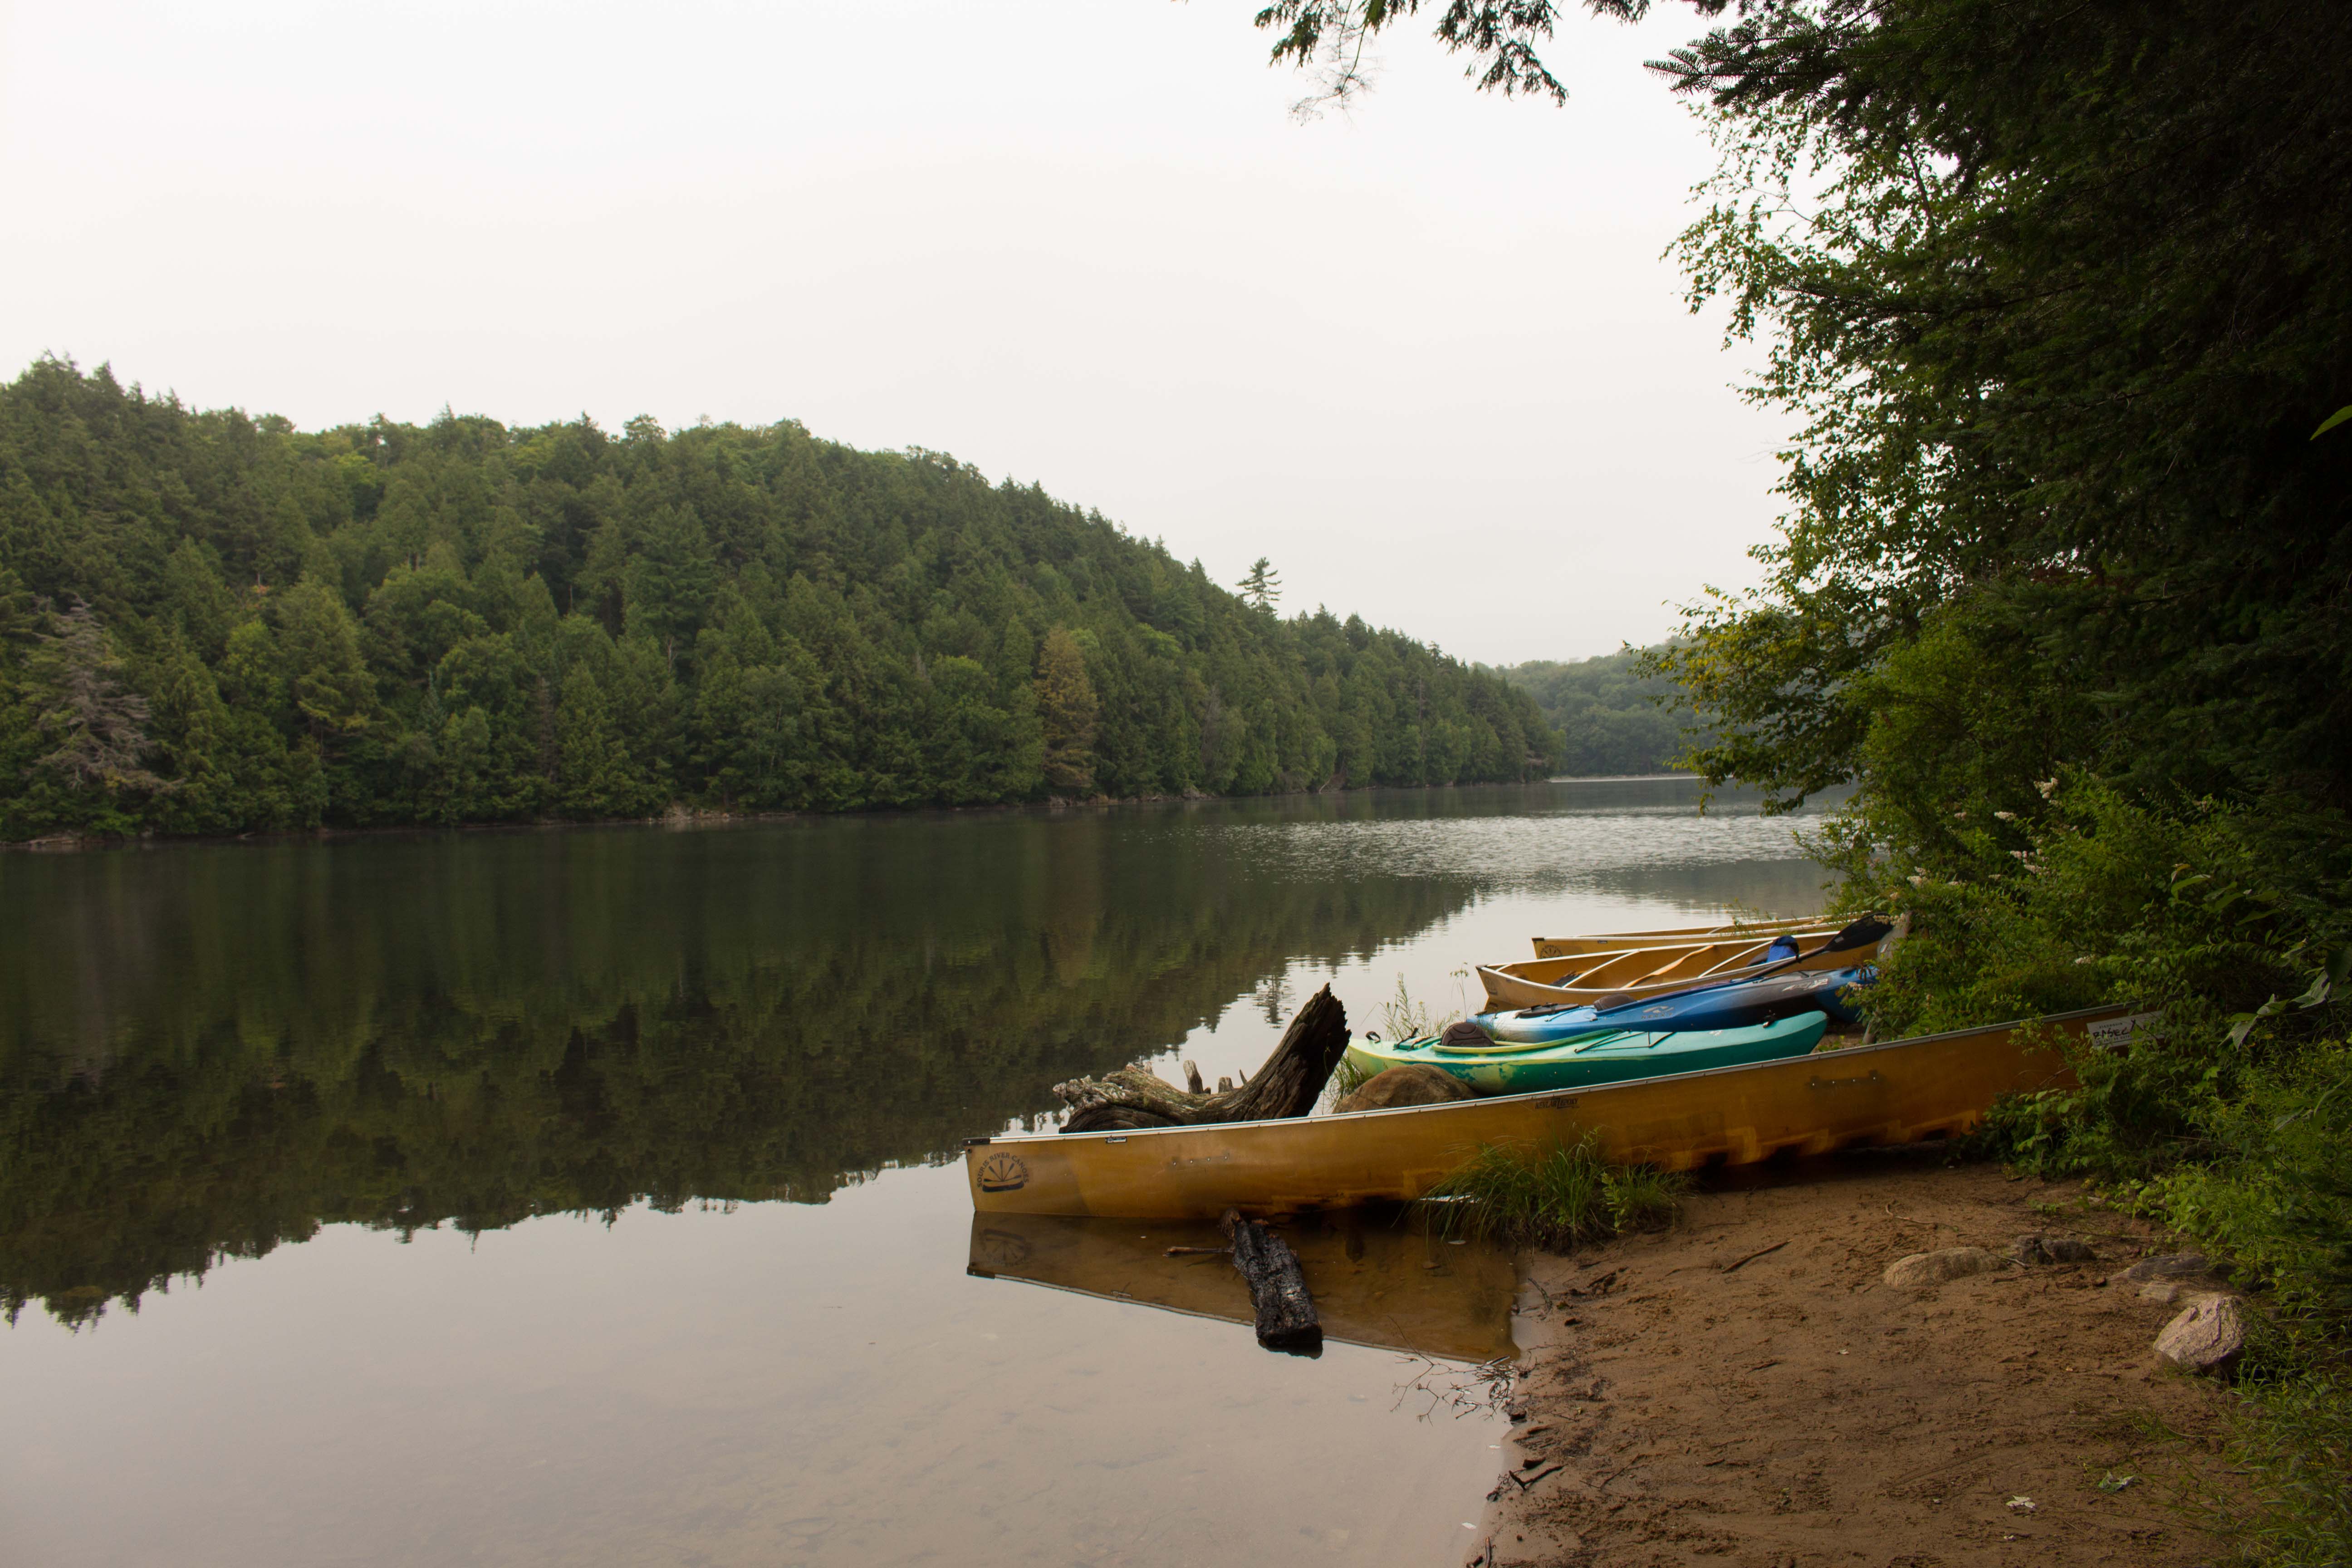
(1623, 778)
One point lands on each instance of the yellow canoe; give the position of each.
(1641, 971)
(1935, 1086)
(1621, 940)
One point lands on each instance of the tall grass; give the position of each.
(1402, 1018)
(1346, 1078)
(1555, 1196)
(2293, 1442)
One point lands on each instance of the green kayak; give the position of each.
(1522, 1067)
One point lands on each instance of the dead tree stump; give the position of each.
(1286, 1312)
(1289, 1083)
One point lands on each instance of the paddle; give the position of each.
(1867, 932)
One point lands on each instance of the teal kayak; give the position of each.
(1525, 1067)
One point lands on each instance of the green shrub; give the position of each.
(1553, 1197)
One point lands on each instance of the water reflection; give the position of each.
(1377, 1277)
(208, 1051)
(538, 1076)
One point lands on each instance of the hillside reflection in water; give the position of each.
(396, 1051)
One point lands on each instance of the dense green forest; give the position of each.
(214, 624)
(1612, 714)
(2058, 294)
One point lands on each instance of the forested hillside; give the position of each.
(210, 623)
(1611, 714)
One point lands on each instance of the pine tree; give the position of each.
(1263, 586)
(1067, 705)
(98, 725)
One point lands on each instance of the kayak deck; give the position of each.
(1604, 1056)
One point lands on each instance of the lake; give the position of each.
(596, 1197)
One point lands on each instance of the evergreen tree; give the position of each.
(1262, 587)
(1068, 709)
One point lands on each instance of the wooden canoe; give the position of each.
(1637, 973)
(1619, 940)
(1932, 1086)
(1376, 1282)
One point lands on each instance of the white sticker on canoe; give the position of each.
(2115, 1033)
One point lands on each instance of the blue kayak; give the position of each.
(1730, 1005)
(1618, 1056)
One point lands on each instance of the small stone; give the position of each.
(2163, 1292)
(2205, 1337)
(2039, 1249)
(1947, 1263)
(2173, 1265)
(1415, 1083)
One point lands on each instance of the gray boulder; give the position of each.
(1935, 1268)
(2173, 1265)
(1415, 1083)
(2207, 1336)
(2040, 1250)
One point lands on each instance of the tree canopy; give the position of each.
(211, 623)
(1611, 714)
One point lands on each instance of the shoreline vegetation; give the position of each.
(2055, 299)
(214, 623)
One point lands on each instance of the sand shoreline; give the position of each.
(1744, 1389)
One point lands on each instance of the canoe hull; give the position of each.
(1613, 942)
(1616, 1056)
(1937, 1085)
(1544, 983)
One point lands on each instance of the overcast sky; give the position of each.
(1426, 355)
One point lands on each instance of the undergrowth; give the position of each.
(2229, 1121)
(1553, 1197)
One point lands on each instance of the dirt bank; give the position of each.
(1744, 1389)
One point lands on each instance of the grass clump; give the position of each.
(2293, 1442)
(1346, 1078)
(1554, 1196)
(1402, 1018)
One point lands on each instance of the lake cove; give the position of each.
(596, 1197)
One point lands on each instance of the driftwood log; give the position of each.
(1285, 1312)
(1135, 1097)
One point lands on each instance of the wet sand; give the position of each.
(1694, 1398)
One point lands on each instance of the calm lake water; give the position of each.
(595, 1197)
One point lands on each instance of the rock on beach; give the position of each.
(2207, 1336)
(1946, 1263)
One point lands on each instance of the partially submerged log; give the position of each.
(1286, 1312)
(1289, 1083)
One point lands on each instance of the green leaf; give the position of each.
(2332, 421)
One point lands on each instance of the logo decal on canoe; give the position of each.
(1003, 1174)
(2115, 1033)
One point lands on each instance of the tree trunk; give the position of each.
(1285, 1312)
(1289, 1085)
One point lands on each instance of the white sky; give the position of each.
(1427, 357)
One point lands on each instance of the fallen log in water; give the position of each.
(1286, 1312)
(1289, 1085)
